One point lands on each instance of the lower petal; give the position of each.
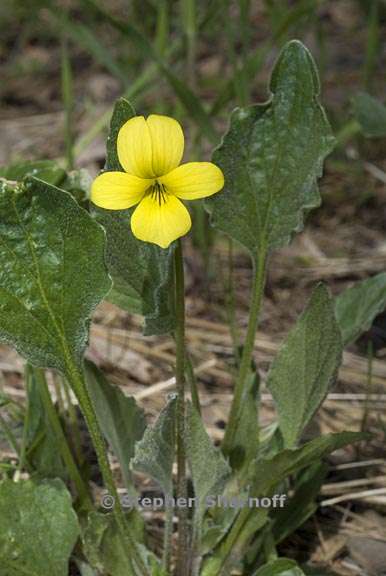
(193, 180)
(160, 223)
(118, 190)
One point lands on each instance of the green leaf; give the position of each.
(246, 441)
(52, 276)
(126, 298)
(154, 454)
(121, 420)
(122, 112)
(302, 503)
(41, 445)
(306, 365)
(209, 472)
(46, 170)
(38, 528)
(371, 115)
(245, 448)
(356, 307)
(265, 475)
(142, 273)
(207, 465)
(280, 567)
(215, 525)
(232, 549)
(103, 546)
(272, 157)
(77, 182)
(104, 549)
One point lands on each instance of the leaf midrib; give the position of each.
(38, 280)
(20, 262)
(271, 180)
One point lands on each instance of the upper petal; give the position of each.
(194, 180)
(152, 147)
(134, 148)
(160, 223)
(167, 141)
(118, 190)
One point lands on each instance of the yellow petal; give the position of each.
(118, 190)
(134, 148)
(167, 141)
(194, 180)
(152, 147)
(160, 223)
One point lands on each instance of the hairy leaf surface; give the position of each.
(103, 546)
(306, 365)
(207, 465)
(266, 474)
(53, 273)
(302, 504)
(38, 528)
(246, 442)
(105, 551)
(264, 477)
(272, 157)
(154, 454)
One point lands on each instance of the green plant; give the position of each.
(60, 260)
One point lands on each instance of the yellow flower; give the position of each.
(150, 151)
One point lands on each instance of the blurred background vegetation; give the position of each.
(64, 62)
(193, 59)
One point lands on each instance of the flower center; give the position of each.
(158, 193)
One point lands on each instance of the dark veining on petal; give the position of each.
(158, 192)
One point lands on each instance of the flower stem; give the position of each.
(75, 378)
(182, 549)
(168, 537)
(192, 381)
(247, 354)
